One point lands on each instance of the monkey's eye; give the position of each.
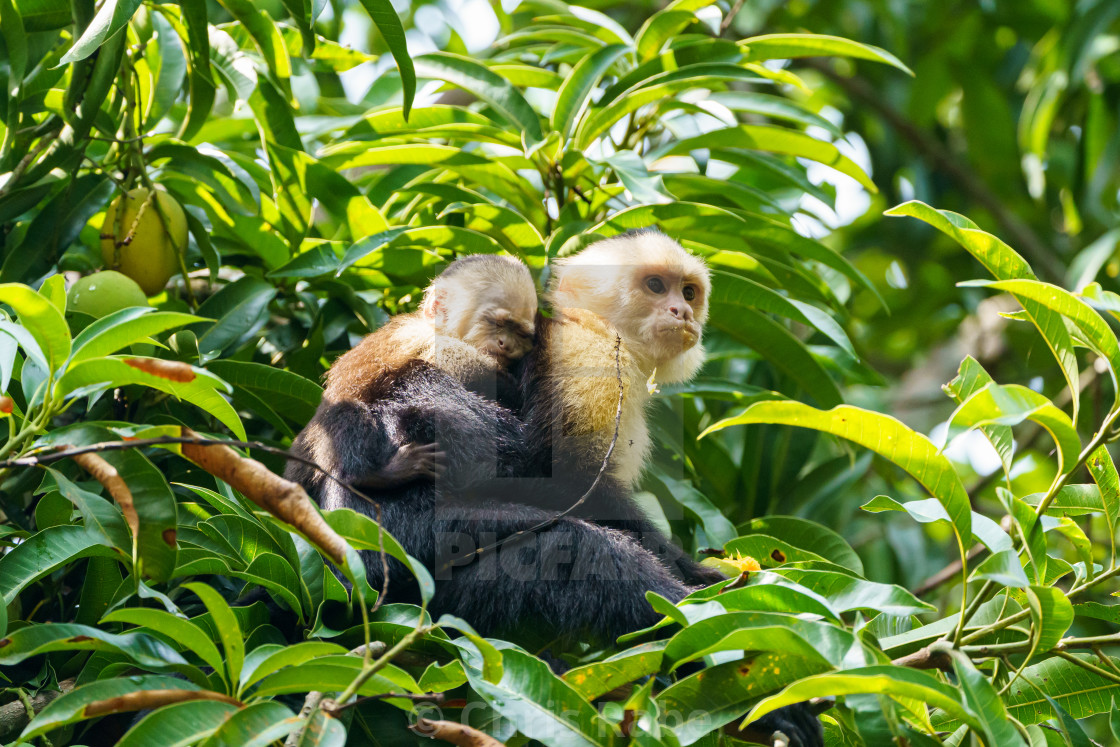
(656, 285)
(689, 293)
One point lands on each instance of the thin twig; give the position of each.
(947, 573)
(727, 19)
(334, 707)
(24, 162)
(414, 697)
(551, 521)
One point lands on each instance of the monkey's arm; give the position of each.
(351, 441)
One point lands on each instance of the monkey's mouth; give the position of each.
(687, 333)
(500, 355)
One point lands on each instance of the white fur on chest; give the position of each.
(586, 372)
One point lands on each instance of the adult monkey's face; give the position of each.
(646, 285)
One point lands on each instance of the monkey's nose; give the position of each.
(502, 343)
(674, 311)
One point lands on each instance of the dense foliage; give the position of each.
(135, 578)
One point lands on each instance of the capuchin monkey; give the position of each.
(476, 318)
(628, 311)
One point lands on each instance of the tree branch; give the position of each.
(926, 658)
(14, 716)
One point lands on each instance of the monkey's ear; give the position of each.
(433, 303)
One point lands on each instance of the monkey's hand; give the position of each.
(419, 461)
(410, 462)
(797, 721)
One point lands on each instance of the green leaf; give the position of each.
(774, 107)
(45, 15)
(42, 319)
(272, 572)
(776, 140)
(1004, 568)
(438, 679)
(256, 725)
(334, 673)
(821, 643)
(720, 694)
(1078, 691)
(363, 533)
(848, 593)
(294, 396)
(46, 637)
(983, 529)
(123, 328)
(103, 519)
(787, 353)
(1032, 294)
(808, 534)
(769, 551)
(70, 707)
(1011, 404)
(790, 46)
(1114, 720)
(181, 631)
(733, 291)
(597, 678)
(262, 661)
(717, 528)
(884, 435)
(111, 17)
(541, 705)
(151, 496)
(971, 378)
(265, 35)
(982, 698)
(194, 30)
(767, 593)
(491, 658)
(239, 309)
(896, 682)
(43, 553)
(1103, 470)
(492, 88)
(1051, 613)
(201, 391)
(574, 95)
(229, 631)
(15, 40)
(389, 24)
(178, 724)
(666, 24)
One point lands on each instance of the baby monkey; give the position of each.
(475, 319)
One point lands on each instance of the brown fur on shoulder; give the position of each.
(364, 372)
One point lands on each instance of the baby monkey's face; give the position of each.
(503, 333)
